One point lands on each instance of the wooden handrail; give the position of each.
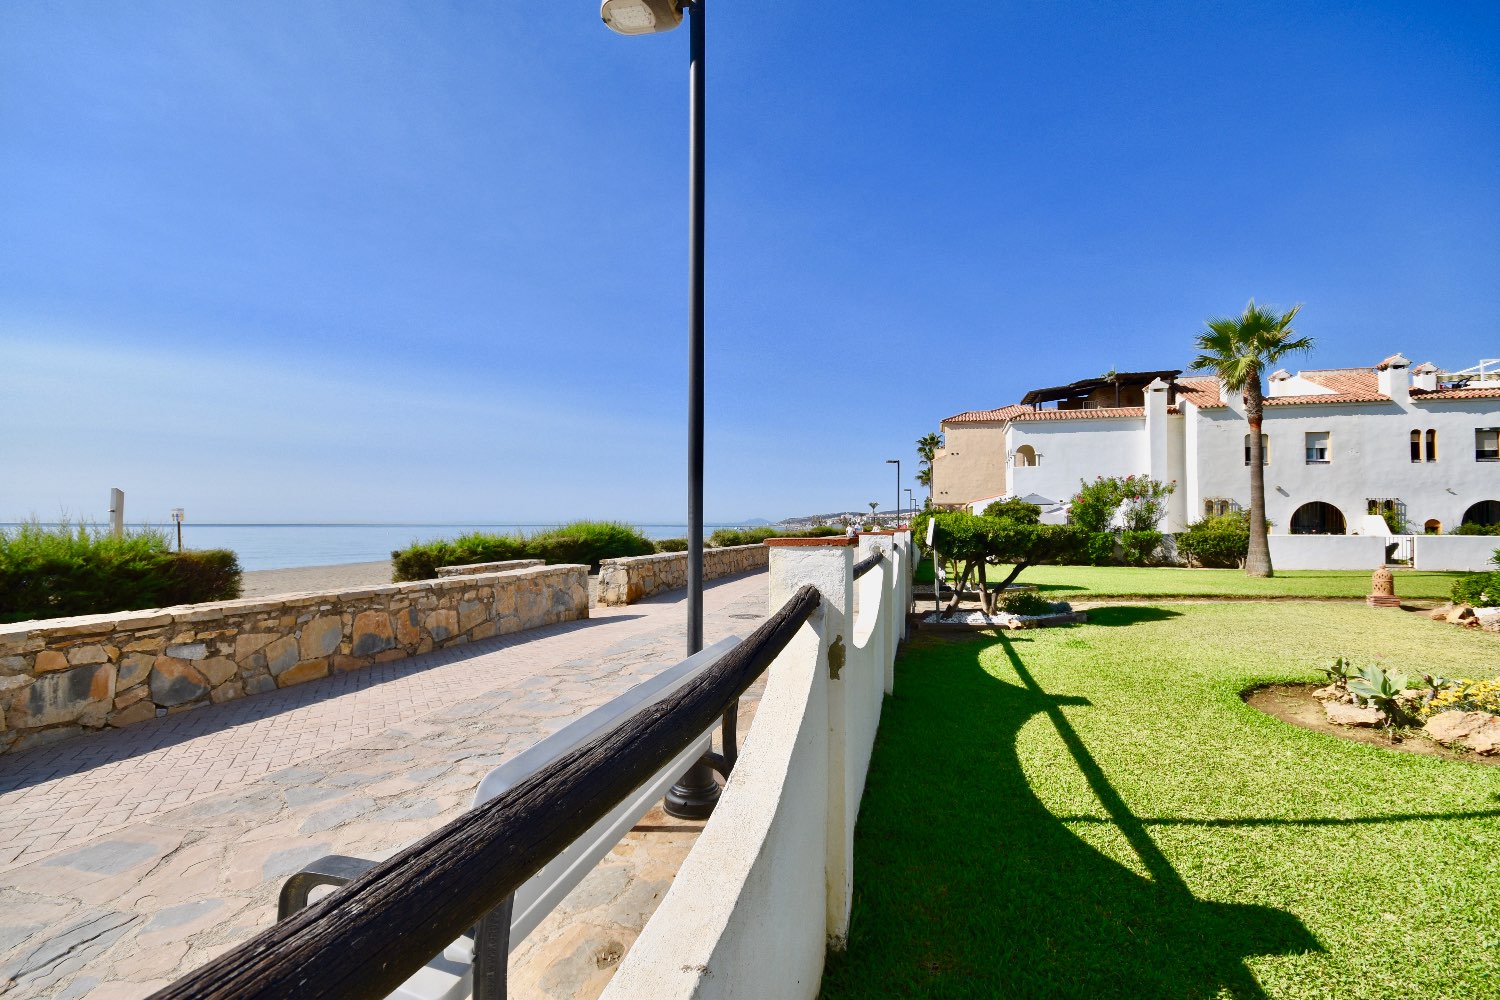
(866, 564)
(369, 937)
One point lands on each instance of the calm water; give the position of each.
(283, 546)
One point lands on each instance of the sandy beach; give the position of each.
(348, 576)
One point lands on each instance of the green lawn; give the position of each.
(1093, 812)
(1083, 582)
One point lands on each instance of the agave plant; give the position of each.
(1374, 686)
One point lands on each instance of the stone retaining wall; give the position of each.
(627, 580)
(65, 676)
(474, 569)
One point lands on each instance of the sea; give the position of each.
(287, 546)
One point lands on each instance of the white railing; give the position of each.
(745, 916)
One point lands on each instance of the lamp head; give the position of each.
(641, 17)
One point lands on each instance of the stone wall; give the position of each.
(627, 580)
(65, 676)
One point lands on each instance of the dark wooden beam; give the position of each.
(367, 938)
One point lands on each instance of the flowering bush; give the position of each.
(1465, 695)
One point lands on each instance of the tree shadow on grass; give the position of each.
(967, 886)
(1129, 614)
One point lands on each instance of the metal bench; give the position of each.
(475, 964)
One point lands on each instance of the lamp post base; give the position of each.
(695, 794)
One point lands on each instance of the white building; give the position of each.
(1341, 444)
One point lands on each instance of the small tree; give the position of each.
(1009, 532)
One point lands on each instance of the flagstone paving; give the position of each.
(131, 857)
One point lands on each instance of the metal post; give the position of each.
(897, 463)
(694, 796)
(116, 512)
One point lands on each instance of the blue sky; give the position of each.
(426, 262)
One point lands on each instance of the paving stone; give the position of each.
(110, 857)
(335, 815)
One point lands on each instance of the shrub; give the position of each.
(1465, 695)
(197, 575)
(1094, 506)
(51, 572)
(725, 537)
(1027, 603)
(589, 542)
(1220, 542)
(1139, 547)
(1470, 528)
(671, 544)
(1482, 590)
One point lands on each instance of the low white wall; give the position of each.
(743, 917)
(1461, 552)
(1328, 551)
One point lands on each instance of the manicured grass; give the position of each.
(1082, 582)
(1093, 812)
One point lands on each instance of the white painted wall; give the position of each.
(1328, 551)
(1072, 450)
(1458, 552)
(743, 917)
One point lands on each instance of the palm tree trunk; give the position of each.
(1258, 558)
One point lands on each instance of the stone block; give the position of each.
(372, 633)
(307, 670)
(471, 613)
(134, 668)
(441, 624)
(188, 651)
(63, 696)
(321, 637)
(13, 665)
(49, 660)
(408, 626)
(83, 656)
(244, 645)
(218, 669)
(344, 663)
(389, 655)
(259, 684)
(146, 644)
(226, 692)
(281, 655)
(130, 697)
(176, 682)
(131, 714)
(483, 630)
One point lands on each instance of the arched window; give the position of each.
(1317, 518)
(1416, 446)
(1025, 456)
(1433, 527)
(1432, 446)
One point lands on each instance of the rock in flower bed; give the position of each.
(1061, 613)
(1459, 713)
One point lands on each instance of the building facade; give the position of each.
(1341, 446)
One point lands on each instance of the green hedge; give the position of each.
(579, 542)
(1482, 590)
(726, 537)
(55, 572)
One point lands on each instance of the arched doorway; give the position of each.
(1485, 512)
(1318, 518)
(1433, 526)
(1025, 456)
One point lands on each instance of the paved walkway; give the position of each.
(132, 856)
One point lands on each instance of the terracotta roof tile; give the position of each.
(1344, 381)
(1472, 392)
(987, 416)
(1394, 361)
(1202, 391)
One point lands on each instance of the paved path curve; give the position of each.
(131, 856)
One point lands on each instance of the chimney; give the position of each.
(1391, 377)
(1425, 377)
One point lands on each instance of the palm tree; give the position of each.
(927, 446)
(1237, 351)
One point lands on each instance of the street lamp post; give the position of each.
(911, 504)
(897, 463)
(694, 796)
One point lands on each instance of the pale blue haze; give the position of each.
(426, 261)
